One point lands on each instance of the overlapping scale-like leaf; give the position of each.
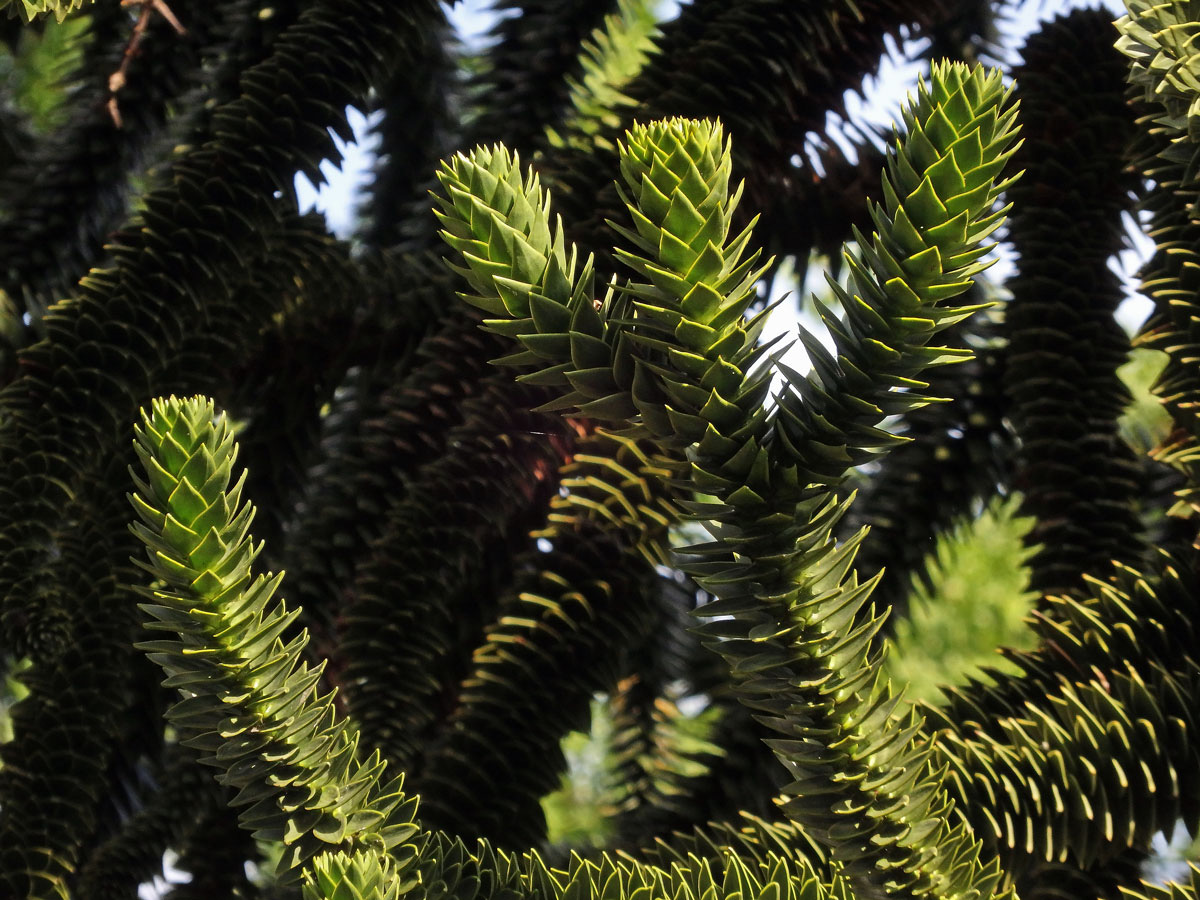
(564, 628)
(940, 187)
(248, 703)
(525, 280)
(692, 350)
(159, 318)
(955, 455)
(54, 772)
(454, 871)
(1159, 41)
(787, 596)
(1159, 38)
(363, 875)
(773, 606)
(526, 80)
(1047, 764)
(428, 584)
(32, 9)
(1078, 479)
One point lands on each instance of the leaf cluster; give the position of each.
(532, 449)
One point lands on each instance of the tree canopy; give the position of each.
(313, 550)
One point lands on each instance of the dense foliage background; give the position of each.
(493, 586)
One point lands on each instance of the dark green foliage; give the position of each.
(295, 764)
(215, 855)
(591, 485)
(686, 374)
(956, 454)
(56, 770)
(418, 128)
(469, 512)
(525, 85)
(184, 801)
(1078, 478)
(1127, 726)
(141, 322)
(391, 418)
(70, 191)
(512, 700)
(1157, 42)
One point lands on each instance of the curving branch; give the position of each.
(1079, 480)
(672, 356)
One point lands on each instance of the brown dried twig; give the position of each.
(117, 79)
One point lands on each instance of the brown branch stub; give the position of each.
(117, 80)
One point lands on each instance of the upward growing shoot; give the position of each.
(673, 355)
(247, 702)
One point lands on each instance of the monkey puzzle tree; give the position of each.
(473, 435)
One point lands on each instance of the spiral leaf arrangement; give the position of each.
(32, 9)
(683, 363)
(247, 702)
(476, 569)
